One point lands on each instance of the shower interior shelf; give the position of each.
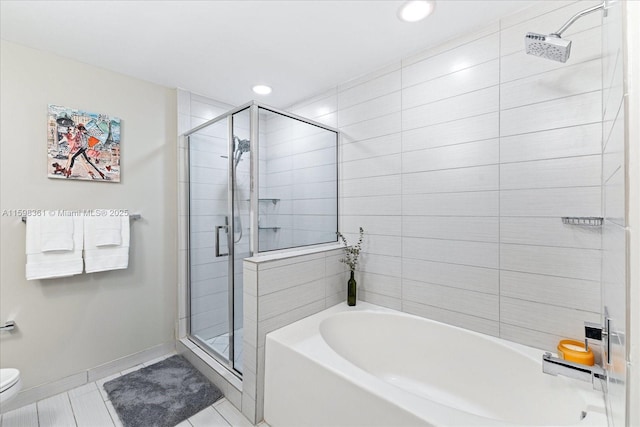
(591, 221)
(274, 201)
(269, 228)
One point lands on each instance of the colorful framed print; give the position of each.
(83, 145)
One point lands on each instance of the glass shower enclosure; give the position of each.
(259, 180)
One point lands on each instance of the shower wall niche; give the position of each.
(259, 180)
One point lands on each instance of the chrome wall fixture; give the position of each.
(589, 221)
(9, 326)
(553, 46)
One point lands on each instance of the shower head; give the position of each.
(551, 47)
(242, 145)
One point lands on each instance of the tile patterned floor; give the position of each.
(89, 406)
(221, 345)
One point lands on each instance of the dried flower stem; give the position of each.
(351, 253)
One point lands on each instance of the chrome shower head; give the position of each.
(550, 47)
(242, 145)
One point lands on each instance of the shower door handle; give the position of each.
(218, 228)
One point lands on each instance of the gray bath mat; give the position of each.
(161, 395)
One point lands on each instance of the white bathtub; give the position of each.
(371, 366)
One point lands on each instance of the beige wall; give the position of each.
(70, 325)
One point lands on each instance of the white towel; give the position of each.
(52, 263)
(105, 257)
(56, 233)
(108, 231)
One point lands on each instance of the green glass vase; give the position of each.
(351, 290)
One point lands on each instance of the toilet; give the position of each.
(10, 384)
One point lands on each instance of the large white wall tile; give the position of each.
(548, 232)
(378, 224)
(453, 156)
(477, 178)
(454, 299)
(467, 277)
(555, 202)
(371, 186)
(374, 147)
(476, 203)
(562, 262)
(458, 107)
(477, 128)
(467, 55)
(480, 229)
(381, 264)
(581, 171)
(371, 205)
(280, 278)
(457, 83)
(375, 166)
(373, 88)
(280, 302)
(385, 125)
(377, 107)
(379, 284)
(562, 112)
(455, 318)
(559, 291)
(562, 82)
(478, 254)
(571, 141)
(566, 322)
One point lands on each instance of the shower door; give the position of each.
(219, 183)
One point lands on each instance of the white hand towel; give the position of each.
(103, 258)
(108, 231)
(56, 233)
(51, 264)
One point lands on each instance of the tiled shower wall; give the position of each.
(459, 163)
(297, 183)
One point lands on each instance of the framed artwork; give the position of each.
(83, 145)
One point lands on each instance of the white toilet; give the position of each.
(10, 384)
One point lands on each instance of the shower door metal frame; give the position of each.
(229, 362)
(253, 210)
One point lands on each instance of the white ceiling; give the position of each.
(222, 48)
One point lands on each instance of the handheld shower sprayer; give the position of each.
(241, 146)
(553, 46)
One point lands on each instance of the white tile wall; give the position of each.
(461, 190)
(459, 163)
(278, 291)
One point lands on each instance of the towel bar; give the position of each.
(132, 217)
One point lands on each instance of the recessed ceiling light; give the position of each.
(415, 10)
(262, 89)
